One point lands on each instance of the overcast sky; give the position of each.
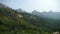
(30, 5)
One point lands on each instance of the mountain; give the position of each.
(20, 10)
(50, 14)
(14, 22)
(2, 5)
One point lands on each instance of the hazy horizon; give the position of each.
(30, 5)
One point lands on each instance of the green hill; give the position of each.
(13, 22)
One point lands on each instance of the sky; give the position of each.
(30, 5)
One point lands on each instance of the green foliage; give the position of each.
(11, 23)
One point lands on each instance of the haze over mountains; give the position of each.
(21, 22)
(50, 14)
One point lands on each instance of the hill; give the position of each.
(14, 22)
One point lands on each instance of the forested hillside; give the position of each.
(14, 22)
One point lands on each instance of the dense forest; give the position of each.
(14, 22)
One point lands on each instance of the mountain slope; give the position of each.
(13, 22)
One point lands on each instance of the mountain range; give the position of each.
(50, 14)
(18, 22)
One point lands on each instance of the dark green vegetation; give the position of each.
(13, 22)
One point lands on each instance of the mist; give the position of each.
(29, 16)
(50, 14)
(30, 5)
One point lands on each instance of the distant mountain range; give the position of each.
(20, 22)
(51, 14)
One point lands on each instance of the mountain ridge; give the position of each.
(13, 22)
(51, 15)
